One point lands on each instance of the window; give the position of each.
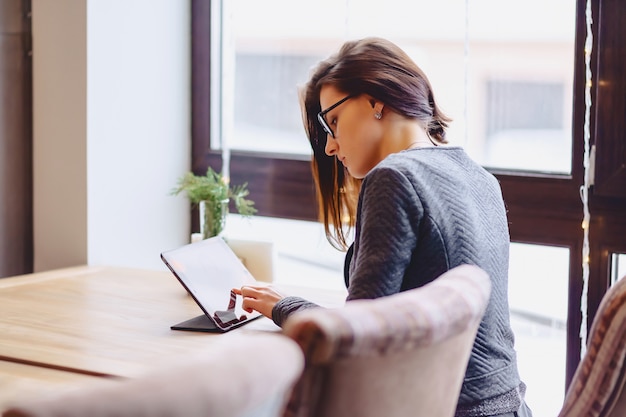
(517, 84)
(267, 117)
(618, 267)
(538, 281)
(542, 194)
(525, 127)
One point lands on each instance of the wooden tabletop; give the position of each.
(104, 321)
(65, 329)
(19, 382)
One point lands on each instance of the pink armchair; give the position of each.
(240, 375)
(400, 355)
(597, 388)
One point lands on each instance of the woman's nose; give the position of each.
(331, 146)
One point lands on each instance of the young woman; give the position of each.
(417, 208)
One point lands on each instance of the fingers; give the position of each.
(244, 302)
(250, 299)
(249, 305)
(239, 291)
(252, 292)
(261, 298)
(247, 299)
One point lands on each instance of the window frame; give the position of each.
(542, 209)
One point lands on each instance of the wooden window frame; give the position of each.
(542, 209)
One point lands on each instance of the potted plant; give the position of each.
(212, 193)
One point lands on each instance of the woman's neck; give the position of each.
(406, 134)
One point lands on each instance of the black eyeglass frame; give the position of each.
(322, 120)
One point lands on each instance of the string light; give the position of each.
(584, 189)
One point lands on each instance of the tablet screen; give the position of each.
(209, 270)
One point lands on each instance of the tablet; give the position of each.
(209, 270)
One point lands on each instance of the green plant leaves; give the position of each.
(213, 188)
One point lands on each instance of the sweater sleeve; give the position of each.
(388, 218)
(287, 306)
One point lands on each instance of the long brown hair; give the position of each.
(381, 69)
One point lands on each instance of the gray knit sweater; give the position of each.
(422, 212)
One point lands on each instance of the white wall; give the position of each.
(111, 130)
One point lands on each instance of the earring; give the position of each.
(378, 115)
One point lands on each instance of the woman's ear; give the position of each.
(377, 106)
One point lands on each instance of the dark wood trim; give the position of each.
(280, 187)
(16, 181)
(200, 84)
(610, 99)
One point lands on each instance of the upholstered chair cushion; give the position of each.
(597, 388)
(242, 375)
(401, 355)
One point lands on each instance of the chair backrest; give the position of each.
(247, 375)
(405, 354)
(597, 388)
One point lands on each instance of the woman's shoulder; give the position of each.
(431, 165)
(424, 159)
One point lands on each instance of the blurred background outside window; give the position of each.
(502, 70)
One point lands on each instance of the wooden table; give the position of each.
(20, 381)
(60, 328)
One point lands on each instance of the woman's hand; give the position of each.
(259, 298)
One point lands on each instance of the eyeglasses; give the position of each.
(322, 120)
